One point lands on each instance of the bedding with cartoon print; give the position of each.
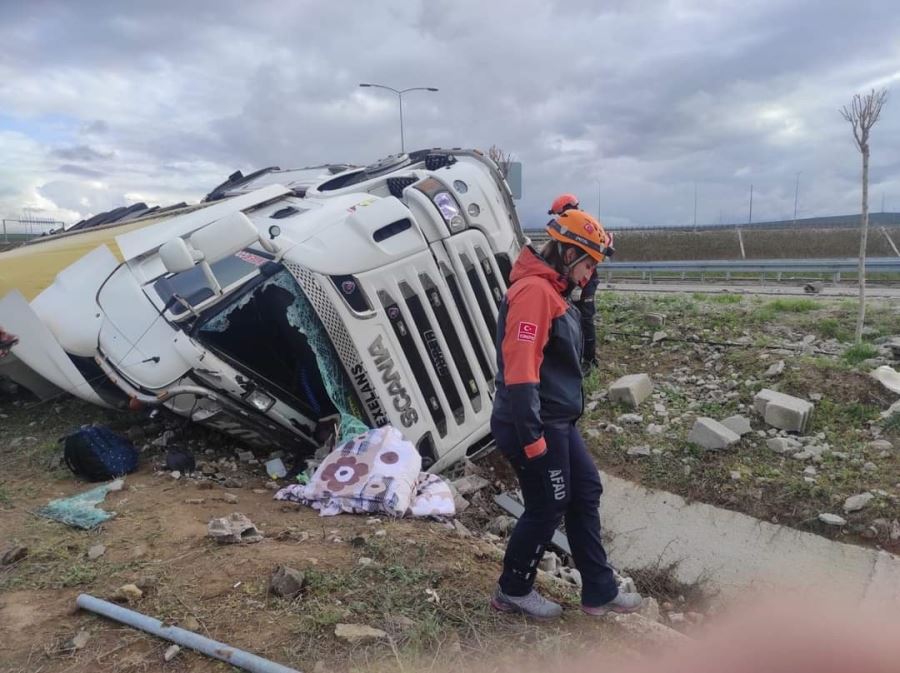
(377, 471)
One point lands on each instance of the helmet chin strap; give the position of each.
(567, 268)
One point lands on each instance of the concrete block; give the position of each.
(631, 390)
(712, 435)
(783, 411)
(738, 424)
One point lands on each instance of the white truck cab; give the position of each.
(291, 304)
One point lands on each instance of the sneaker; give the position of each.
(532, 605)
(623, 603)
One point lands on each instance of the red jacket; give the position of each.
(538, 353)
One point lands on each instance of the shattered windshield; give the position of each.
(274, 331)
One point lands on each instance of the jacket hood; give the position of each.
(530, 263)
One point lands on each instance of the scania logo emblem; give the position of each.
(348, 286)
(393, 313)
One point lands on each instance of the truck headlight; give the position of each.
(260, 401)
(449, 211)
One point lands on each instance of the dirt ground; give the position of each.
(426, 587)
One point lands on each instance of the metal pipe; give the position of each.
(207, 646)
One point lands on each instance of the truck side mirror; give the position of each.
(177, 256)
(224, 237)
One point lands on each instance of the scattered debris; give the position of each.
(740, 425)
(356, 634)
(13, 555)
(570, 575)
(857, 502)
(783, 411)
(549, 563)
(460, 529)
(712, 435)
(229, 498)
(234, 529)
(832, 519)
(888, 377)
(814, 287)
(171, 652)
(775, 370)
(502, 525)
(127, 593)
(658, 336)
(194, 501)
(655, 429)
(286, 582)
(470, 484)
(655, 319)
(79, 641)
(639, 451)
(96, 552)
(631, 390)
(650, 609)
(275, 469)
(784, 445)
(880, 445)
(630, 419)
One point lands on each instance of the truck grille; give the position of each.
(444, 321)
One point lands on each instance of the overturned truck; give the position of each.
(289, 306)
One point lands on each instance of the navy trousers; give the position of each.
(563, 483)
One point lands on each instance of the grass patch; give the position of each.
(832, 328)
(851, 415)
(859, 353)
(793, 305)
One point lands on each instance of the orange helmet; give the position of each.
(575, 227)
(562, 203)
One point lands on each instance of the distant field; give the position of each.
(769, 243)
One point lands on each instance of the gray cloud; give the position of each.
(629, 104)
(73, 169)
(81, 153)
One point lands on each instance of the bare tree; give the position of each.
(862, 114)
(501, 158)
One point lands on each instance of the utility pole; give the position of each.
(750, 219)
(796, 194)
(695, 204)
(399, 94)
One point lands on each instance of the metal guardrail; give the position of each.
(772, 267)
(874, 264)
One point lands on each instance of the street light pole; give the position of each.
(399, 93)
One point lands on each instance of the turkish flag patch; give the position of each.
(527, 331)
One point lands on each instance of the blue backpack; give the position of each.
(97, 453)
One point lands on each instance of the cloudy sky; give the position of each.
(627, 103)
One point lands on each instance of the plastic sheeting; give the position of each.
(80, 510)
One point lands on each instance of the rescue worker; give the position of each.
(538, 401)
(586, 303)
